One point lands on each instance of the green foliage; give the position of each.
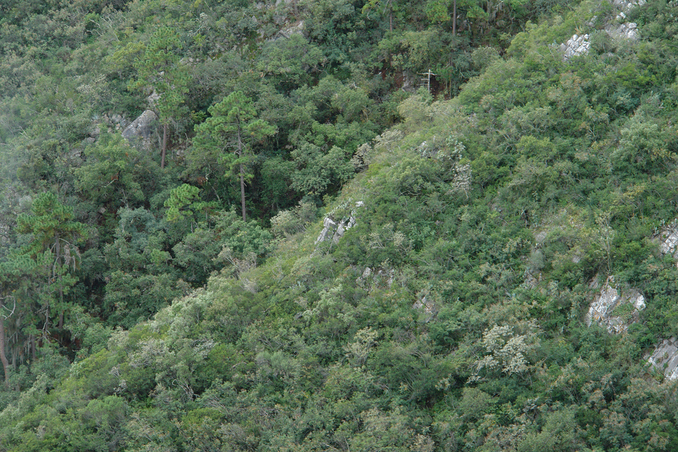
(442, 307)
(233, 127)
(159, 68)
(110, 174)
(316, 170)
(180, 197)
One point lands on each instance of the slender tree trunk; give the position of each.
(3, 357)
(454, 18)
(242, 192)
(242, 177)
(164, 144)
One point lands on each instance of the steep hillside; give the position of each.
(496, 277)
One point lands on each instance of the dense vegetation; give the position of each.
(171, 294)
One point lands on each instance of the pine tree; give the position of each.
(233, 126)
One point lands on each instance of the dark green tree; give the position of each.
(159, 68)
(233, 126)
(14, 274)
(54, 243)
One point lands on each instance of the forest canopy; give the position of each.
(236, 225)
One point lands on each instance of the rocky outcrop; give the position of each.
(626, 5)
(665, 358)
(333, 230)
(117, 122)
(618, 29)
(427, 308)
(377, 277)
(626, 30)
(289, 31)
(141, 129)
(609, 305)
(575, 46)
(668, 241)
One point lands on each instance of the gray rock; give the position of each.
(341, 228)
(427, 306)
(580, 45)
(287, 32)
(118, 122)
(335, 231)
(540, 237)
(627, 30)
(575, 46)
(668, 241)
(604, 304)
(328, 227)
(141, 129)
(665, 358)
(627, 5)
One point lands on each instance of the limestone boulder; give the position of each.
(141, 129)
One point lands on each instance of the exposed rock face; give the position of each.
(427, 307)
(627, 30)
(665, 358)
(141, 128)
(626, 5)
(329, 227)
(580, 45)
(575, 46)
(610, 298)
(296, 29)
(289, 31)
(118, 122)
(335, 231)
(377, 277)
(668, 241)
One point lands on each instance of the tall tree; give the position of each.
(15, 273)
(159, 68)
(54, 244)
(233, 126)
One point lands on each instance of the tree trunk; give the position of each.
(34, 352)
(242, 192)
(454, 18)
(3, 357)
(242, 176)
(164, 145)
